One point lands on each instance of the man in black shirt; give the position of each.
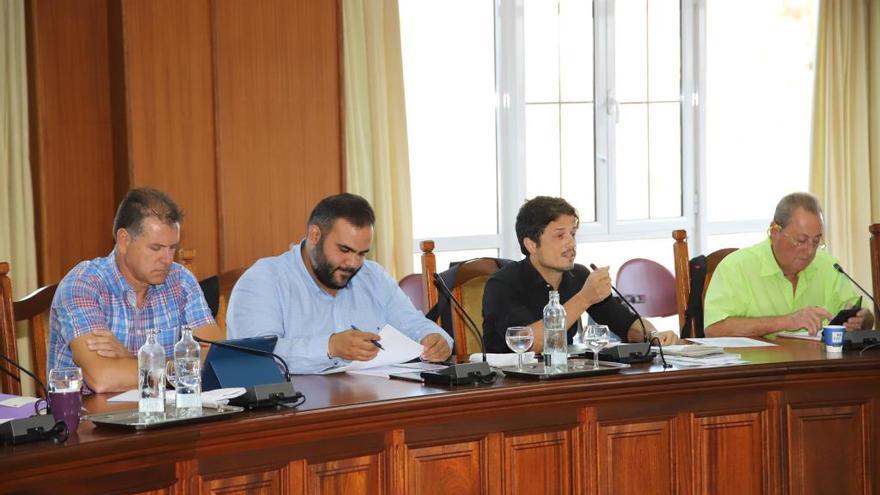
(516, 294)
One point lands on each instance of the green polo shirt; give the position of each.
(749, 283)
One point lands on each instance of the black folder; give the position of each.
(225, 367)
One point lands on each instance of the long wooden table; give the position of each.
(794, 421)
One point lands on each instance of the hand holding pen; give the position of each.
(375, 342)
(354, 345)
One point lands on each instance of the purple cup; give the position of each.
(66, 406)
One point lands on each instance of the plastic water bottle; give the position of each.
(151, 375)
(555, 341)
(188, 368)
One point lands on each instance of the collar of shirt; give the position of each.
(533, 283)
(118, 285)
(770, 267)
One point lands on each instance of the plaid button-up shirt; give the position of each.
(94, 295)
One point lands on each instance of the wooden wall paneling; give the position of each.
(169, 97)
(450, 468)
(828, 447)
(271, 482)
(278, 122)
(395, 460)
(363, 475)
(538, 462)
(585, 457)
(622, 452)
(71, 135)
(729, 453)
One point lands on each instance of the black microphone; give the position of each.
(20, 367)
(263, 394)
(635, 312)
(838, 268)
(463, 373)
(33, 428)
(634, 354)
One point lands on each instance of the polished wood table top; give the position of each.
(347, 399)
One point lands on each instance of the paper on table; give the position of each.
(398, 349)
(732, 342)
(799, 334)
(209, 398)
(502, 360)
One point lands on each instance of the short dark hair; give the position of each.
(536, 214)
(353, 208)
(791, 202)
(141, 203)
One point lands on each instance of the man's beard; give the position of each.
(324, 270)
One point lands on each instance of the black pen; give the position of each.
(375, 342)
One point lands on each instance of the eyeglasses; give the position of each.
(812, 244)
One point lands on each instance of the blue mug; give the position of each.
(832, 335)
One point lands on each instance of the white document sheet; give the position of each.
(800, 334)
(211, 398)
(398, 348)
(732, 342)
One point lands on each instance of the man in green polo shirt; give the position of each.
(785, 282)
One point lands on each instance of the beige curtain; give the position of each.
(17, 245)
(845, 168)
(377, 160)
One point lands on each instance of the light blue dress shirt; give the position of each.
(278, 296)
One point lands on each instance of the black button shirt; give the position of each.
(516, 295)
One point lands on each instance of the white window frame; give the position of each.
(510, 138)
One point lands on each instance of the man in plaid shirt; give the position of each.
(103, 307)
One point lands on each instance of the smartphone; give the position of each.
(846, 313)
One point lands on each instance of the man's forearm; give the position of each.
(636, 333)
(747, 327)
(112, 374)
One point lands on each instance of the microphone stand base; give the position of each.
(460, 374)
(268, 395)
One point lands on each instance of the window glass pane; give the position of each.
(576, 50)
(630, 42)
(450, 106)
(542, 150)
(578, 169)
(443, 258)
(757, 128)
(541, 28)
(664, 121)
(631, 162)
(664, 50)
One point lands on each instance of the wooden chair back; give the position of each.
(33, 308)
(217, 289)
(470, 281)
(874, 229)
(683, 275)
(187, 258)
(9, 375)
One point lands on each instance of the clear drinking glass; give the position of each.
(596, 337)
(520, 340)
(65, 379)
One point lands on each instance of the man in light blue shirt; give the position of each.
(324, 300)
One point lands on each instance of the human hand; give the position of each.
(810, 318)
(856, 322)
(597, 288)
(353, 345)
(104, 343)
(666, 338)
(436, 348)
